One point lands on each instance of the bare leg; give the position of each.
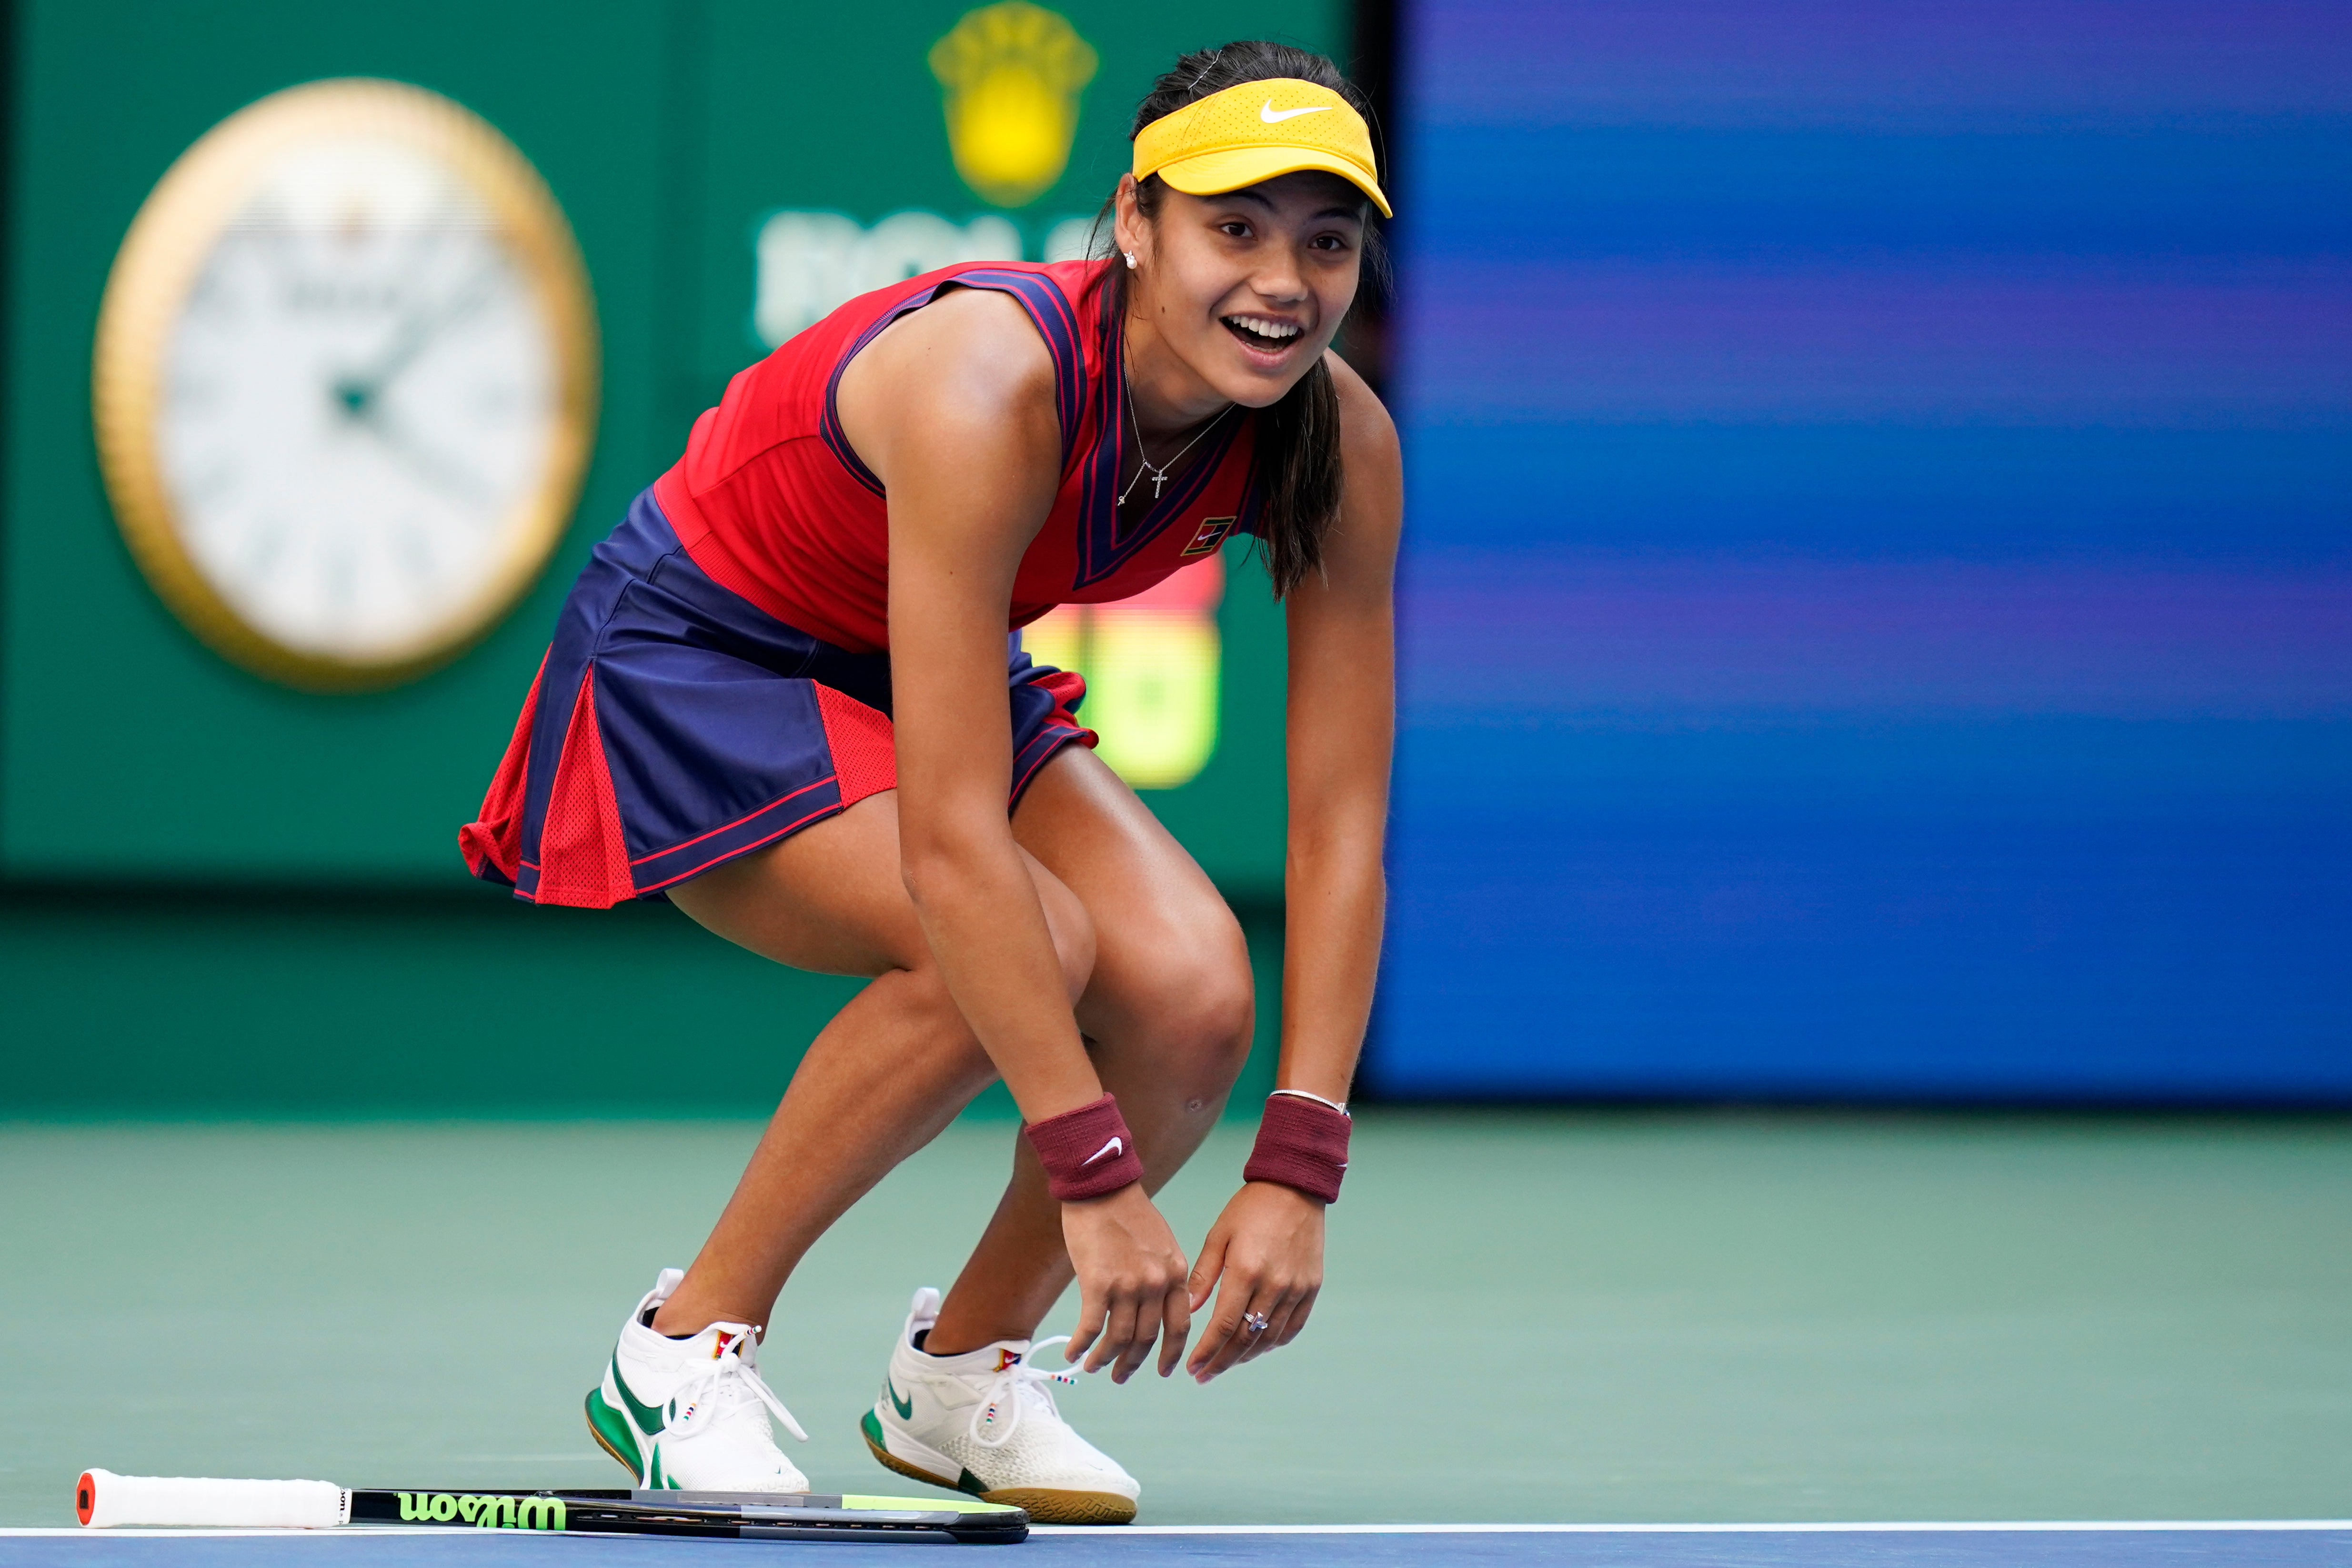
(1162, 988)
(1168, 1007)
(881, 1080)
(883, 1077)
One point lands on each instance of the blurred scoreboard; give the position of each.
(729, 171)
(1878, 611)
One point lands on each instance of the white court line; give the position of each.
(1924, 1526)
(184, 1533)
(1113, 1531)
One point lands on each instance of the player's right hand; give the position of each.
(1132, 1283)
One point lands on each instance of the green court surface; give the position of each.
(1557, 1317)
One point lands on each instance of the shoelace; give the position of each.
(1023, 1375)
(720, 1387)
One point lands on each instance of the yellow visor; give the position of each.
(1254, 131)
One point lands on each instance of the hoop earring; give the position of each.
(1131, 259)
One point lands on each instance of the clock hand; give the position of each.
(453, 477)
(357, 392)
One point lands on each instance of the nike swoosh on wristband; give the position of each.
(1113, 1147)
(1274, 116)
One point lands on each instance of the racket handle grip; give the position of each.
(103, 1499)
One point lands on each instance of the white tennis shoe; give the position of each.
(691, 1414)
(984, 1422)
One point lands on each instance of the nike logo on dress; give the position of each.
(1113, 1147)
(1274, 116)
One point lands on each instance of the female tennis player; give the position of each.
(780, 696)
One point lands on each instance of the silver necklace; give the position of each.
(1159, 471)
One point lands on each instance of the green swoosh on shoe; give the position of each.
(905, 1407)
(649, 1416)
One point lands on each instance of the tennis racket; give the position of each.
(103, 1499)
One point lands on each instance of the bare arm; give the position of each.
(1267, 1247)
(1341, 734)
(952, 408)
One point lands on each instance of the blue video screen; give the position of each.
(1876, 611)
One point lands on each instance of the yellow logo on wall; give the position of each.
(1013, 72)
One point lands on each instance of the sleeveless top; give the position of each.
(772, 503)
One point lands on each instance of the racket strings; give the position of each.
(723, 1387)
(1014, 1388)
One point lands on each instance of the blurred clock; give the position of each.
(345, 383)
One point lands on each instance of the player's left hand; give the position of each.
(1263, 1257)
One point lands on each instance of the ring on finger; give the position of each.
(1256, 1323)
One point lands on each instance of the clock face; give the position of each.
(345, 383)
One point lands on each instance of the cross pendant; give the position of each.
(1158, 481)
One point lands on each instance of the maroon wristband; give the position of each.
(1087, 1152)
(1301, 1143)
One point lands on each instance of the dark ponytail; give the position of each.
(1296, 472)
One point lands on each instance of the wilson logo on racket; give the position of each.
(483, 1512)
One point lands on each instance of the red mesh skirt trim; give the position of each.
(864, 752)
(493, 842)
(1068, 688)
(583, 860)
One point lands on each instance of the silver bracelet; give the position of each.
(1304, 1094)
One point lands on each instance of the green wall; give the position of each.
(411, 1004)
(252, 895)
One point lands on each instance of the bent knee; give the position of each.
(930, 1020)
(1222, 1016)
(1203, 1011)
(1073, 930)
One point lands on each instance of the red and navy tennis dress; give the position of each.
(720, 674)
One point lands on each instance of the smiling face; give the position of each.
(1239, 294)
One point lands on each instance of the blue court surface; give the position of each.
(2038, 1545)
